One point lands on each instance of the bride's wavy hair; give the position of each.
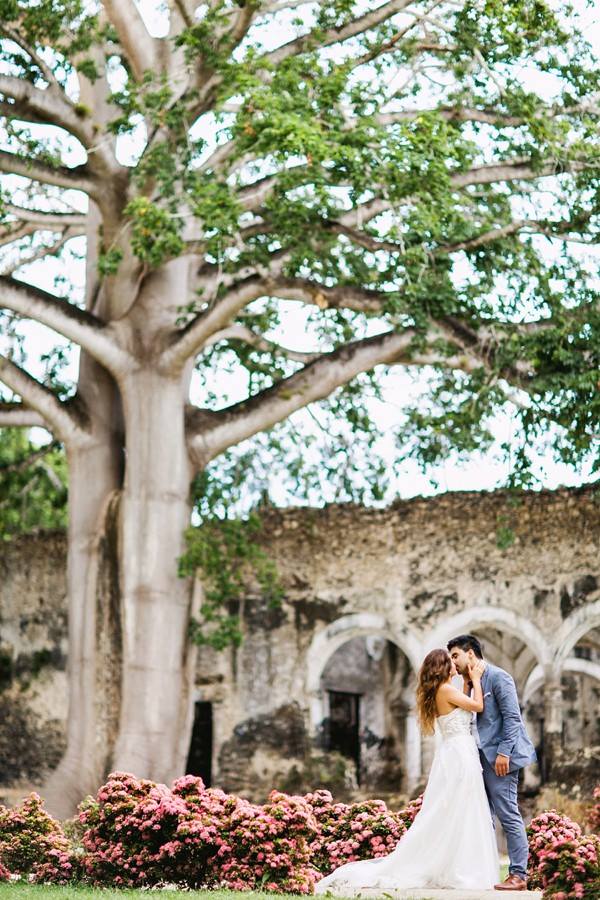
(434, 671)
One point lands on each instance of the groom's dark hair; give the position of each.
(466, 642)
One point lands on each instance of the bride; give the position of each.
(451, 843)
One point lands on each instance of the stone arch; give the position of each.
(330, 639)
(497, 616)
(573, 629)
(572, 664)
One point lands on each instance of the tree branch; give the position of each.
(515, 170)
(53, 107)
(191, 339)
(336, 35)
(271, 8)
(247, 336)
(139, 46)
(185, 11)
(44, 105)
(339, 297)
(314, 382)
(64, 423)
(519, 169)
(17, 415)
(253, 196)
(46, 219)
(21, 464)
(549, 228)
(219, 156)
(368, 241)
(211, 432)
(449, 114)
(391, 45)
(78, 178)
(14, 231)
(73, 323)
(242, 23)
(15, 36)
(43, 252)
(200, 331)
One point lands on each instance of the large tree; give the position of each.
(421, 176)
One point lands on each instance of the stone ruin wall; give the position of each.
(367, 594)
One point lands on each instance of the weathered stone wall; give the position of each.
(413, 574)
(416, 573)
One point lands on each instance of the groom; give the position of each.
(504, 748)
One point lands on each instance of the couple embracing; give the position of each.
(452, 843)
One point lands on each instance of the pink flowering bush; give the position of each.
(268, 847)
(544, 832)
(350, 832)
(409, 813)
(4, 873)
(570, 869)
(138, 832)
(562, 861)
(33, 843)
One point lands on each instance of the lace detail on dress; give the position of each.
(455, 723)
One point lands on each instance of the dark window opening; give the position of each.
(344, 735)
(199, 760)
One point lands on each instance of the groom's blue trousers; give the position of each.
(502, 796)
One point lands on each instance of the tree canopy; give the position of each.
(418, 174)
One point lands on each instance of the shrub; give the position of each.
(570, 869)
(139, 832)
(409, 813)
(546, 831)
(268, 846)
(4, 873)
(362, 830)
(33, 843)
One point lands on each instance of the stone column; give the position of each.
(412, 752)
(553, 725)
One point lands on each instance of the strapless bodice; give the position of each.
(455, 723)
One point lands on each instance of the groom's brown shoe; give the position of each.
(512, 883)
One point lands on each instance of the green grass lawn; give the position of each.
(20, 890)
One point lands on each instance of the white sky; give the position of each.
(481, 472)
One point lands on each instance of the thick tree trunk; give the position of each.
(95, 475)
(131, 664)
(158, 658)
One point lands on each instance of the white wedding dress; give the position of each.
(451, 843)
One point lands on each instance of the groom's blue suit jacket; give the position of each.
(500, 726)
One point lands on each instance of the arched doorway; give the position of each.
(367, 684)
(361, 684)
